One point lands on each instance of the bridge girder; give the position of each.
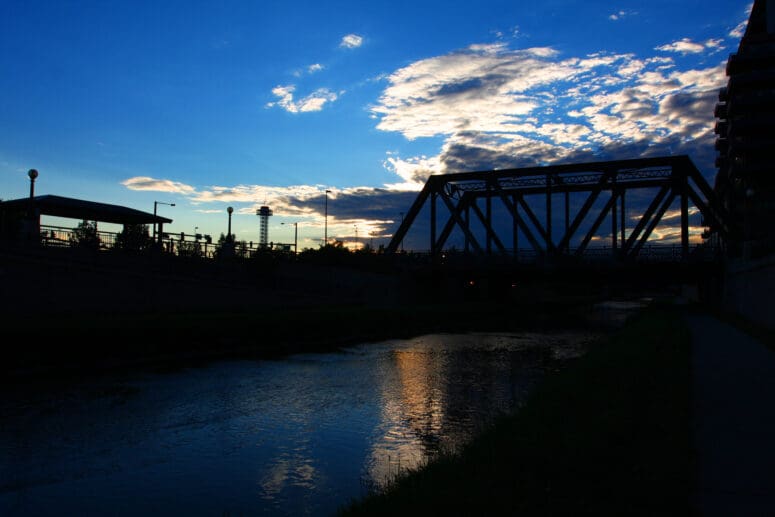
(672, 177)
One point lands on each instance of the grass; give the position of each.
(609, 435)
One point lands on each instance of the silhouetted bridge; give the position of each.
(638, 191)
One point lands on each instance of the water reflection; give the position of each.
(299, 436)
(446, 387)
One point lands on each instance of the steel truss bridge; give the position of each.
(661, 180)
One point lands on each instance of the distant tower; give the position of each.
(263, 214)
(746, 137)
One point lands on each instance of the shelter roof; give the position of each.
(59, 206)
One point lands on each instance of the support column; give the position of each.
(567, 219)
(684, 220)
(548, 213)
(468, 227)
(434, 195)
(515, 228)
(622, 216)
(488, 213)
(614, 230)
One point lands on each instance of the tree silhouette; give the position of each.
(133, 237)
(85, 235)
(225, 246)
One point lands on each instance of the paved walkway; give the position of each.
(734, 413)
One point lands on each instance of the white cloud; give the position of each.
(351, 41)
(312, 102)
(687, 46)
(158, 185)
(372, 209)
(621, 14)
(316, 67)
(739, 29)
(476, 89)
(497, 107)
(413, 171)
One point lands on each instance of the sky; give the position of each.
(241, 103)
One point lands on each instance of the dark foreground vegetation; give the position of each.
(609, 435)
(85, 344)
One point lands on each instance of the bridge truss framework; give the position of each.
(460, 193)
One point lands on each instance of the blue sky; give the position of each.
(241, 103)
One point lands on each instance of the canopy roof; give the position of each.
(59, 206)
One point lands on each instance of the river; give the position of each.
(300, 435)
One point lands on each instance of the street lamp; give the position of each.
(356, 235)
(34, 230)
(295, 237)
(230, 210)
(325, 232)
(195, 229)
(32, 173)
(154, 216)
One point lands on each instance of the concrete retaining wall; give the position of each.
(749, 290)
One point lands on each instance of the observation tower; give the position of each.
(263, 213)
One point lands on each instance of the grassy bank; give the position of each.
(610, 435)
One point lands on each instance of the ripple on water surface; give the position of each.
(301, 435)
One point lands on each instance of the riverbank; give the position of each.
(66, 313)
(609, 435)
(83, 343)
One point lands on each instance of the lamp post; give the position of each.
(325, 231)
(295, 237)
(32, 173)
(356, 236)
(34, 227)
(230, 210)
(155, 203)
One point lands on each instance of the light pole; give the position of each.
(195, 229)
(230, 210)
(325, 231)
(356, 236)
(295, 237)
(33, 221)
(32, 173)
(155, 203)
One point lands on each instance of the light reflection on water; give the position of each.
(296, 436)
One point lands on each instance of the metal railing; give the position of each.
(181, 244)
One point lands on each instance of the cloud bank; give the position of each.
(496, 108)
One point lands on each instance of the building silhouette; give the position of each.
(746, 137)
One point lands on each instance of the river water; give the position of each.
(297, 436)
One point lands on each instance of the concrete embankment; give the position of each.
(748, 290)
